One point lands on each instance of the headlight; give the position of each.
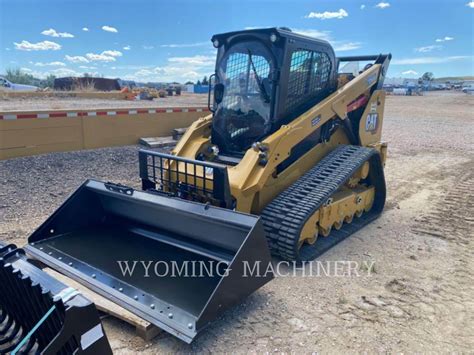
(273, 37)
(215, 150)
(215, 43)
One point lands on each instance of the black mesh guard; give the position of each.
(188, 179)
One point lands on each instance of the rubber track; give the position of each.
(285, 216)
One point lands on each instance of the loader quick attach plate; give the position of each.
(125, 245)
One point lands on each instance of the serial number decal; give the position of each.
(371, 122)
(371, 79)
(373, 107)
(315, 120)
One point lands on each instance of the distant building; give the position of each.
(197, 89)
(85, 83)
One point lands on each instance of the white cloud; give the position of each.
(87, 67)
(427, 49)
(447, 38)
(195, 60)
(326, 35)
(382, 5)
(133, 67)
(105, 56)
(64, 72)
(179, 69)
(185, 45)
(99, 57)
(76, 59)
(144, 73)
(362, 7)
(85, 29)
(109, 29)
(409, 72)
(40, 46)
(346, 46)
(112, 53)
(51, 32)
(470, 4)
(339, 46)
(127, 48)
(328, 15)
(147, 47)
(51, 64)
(60, 72)
(429, 60)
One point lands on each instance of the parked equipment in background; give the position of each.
(9, 86)
(144, 96)
(41, 315)
(178, 133)
(289, 162)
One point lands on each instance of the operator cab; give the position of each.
(263, 79)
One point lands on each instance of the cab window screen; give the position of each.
(240, 78)
(309, 75)
(243, 115)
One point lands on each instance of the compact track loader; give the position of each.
(289, 163)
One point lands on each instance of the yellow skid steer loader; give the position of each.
(289, 163)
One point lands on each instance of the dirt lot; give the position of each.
(418, 298)
(75, 103)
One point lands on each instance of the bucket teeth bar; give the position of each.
(41, 315)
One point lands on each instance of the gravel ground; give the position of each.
(417, 298)
(72, 103)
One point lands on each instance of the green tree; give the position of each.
(198, 82)
(188, 83)
(49, 81)
(205, 81)
(17, 76)
(428, 76)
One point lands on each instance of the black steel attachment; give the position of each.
(187, 262)
(41, 315)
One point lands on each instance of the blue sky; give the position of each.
(170, 40)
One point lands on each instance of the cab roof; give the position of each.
(282, 32)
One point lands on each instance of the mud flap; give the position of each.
(41, 315)
(175, 263)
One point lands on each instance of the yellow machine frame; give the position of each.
(253, 185)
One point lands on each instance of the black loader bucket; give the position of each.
(175, 263)
(40, 315)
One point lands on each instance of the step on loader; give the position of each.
(289, 163)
